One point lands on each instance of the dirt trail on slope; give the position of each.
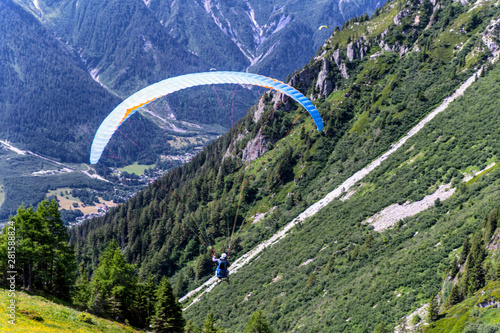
(341, 189)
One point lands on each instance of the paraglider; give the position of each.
(223, 264)
(322, 27)
(147, 95)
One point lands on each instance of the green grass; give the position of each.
(37, 314)
(136, 168)
(481, 174)
(369, 28)
(455, 319)
(361, 123)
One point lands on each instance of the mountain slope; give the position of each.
(350, 278)
(36, 72)
(339, 192)
(39, 314)
(478, 313)
(372, 82)
(47, 66)
(51, 106)
(146, 42)
(273, 38)
(120, 42)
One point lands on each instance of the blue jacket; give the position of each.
(222, 266)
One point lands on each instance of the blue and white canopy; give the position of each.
(145, 96)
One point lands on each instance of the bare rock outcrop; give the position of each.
(357, 49)
(340, 63)
(491, 36)
(303, 79)
(255, 148)
(259, 111)
(402, 14)
(324, 85)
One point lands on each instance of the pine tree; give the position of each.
(433, 310)
(497, 270)
(311, 280)
(203, 265)
(168, 313)
(59, 257)
(82, 288)
(455, 297)
(454, 268)
(29, 230)
(490, 225)
(474, 266)
(145, 301)
(209, 325)
(180, 285)
(191, 328)
(113, 286)
(465, 251)
(43, 257)
(258, 323)
(381, 328)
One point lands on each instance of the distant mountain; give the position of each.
(128, 44)
(48, 102)
(121, 43)
(260, 36)
(236, 35)
(50, 105)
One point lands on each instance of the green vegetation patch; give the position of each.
(468, 311)
(361, 123)
(482, 173)
(37, 314)
(136, 168)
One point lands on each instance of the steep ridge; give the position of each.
(338, 192)
(254, 35)
(37, 78)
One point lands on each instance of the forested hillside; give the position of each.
(120, 42)
(32, 102)
(372, 81)
(46, 93)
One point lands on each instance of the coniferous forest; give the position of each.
(340, 270)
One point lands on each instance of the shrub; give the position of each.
(85, 317)
(33, 315)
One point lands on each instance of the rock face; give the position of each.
(400, 15)
(487, 304)
(302, 80)
(324, 85)
(357, 49)
(255, 148)
(340, 63)
(491, 36)
(260, 110)
(401, 49)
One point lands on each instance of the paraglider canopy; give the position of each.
(322, 27)
(145, 96)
